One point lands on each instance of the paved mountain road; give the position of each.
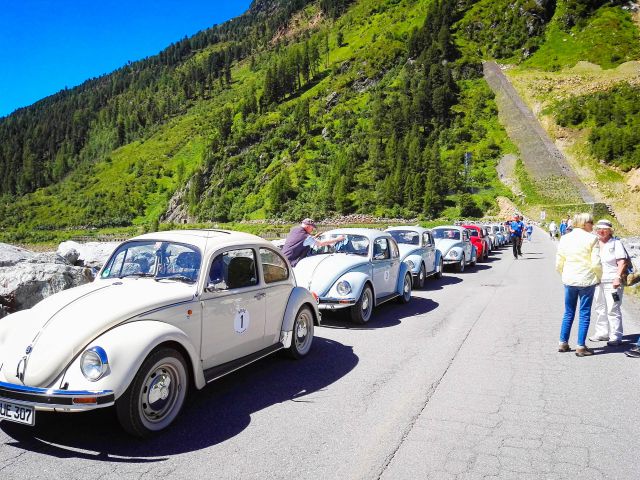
(463, 382)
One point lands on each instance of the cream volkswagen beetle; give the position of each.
(168, 311)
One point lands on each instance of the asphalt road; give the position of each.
(463, 382)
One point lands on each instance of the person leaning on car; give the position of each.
(578, 261)
(300, 240)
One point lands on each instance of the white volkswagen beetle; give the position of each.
(167, 311)
(362, 271)
(455, 245)
(418, 251)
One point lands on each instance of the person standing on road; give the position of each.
(552, 230)
(529, 231)
(608, 295)
(300, 240)
(578, 261)
(563, 227)
(516, 228)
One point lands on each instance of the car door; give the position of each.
(430, 252)
(382, 267)
(277, 280)
(467, 246)
(233, 308)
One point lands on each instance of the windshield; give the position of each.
(352, 244)
(407, 237)
(495, 229)
(158, 260)
(473, 233)
(446, 233)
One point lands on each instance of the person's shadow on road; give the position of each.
(210, 416)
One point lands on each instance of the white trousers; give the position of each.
(608, 313)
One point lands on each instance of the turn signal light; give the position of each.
(315, 295)
(85, 400)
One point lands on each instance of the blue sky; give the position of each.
(46, 45)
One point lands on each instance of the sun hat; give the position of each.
(604, 224)
(308, 221)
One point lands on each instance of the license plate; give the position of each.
(17, 413)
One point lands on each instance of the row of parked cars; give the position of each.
(172, 311)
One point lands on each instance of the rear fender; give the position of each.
(299, 296)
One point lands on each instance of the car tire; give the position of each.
(440, 269)
(461, 264)
(302, 334)
(421, 278)
(142, 417)
(361, 311)
(474, 261)
(405, 296)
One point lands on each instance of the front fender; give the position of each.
(417, 261)
(357, 281)
(299, 296)
(399, 283)
(127, 346)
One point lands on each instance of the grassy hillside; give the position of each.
(377, 115)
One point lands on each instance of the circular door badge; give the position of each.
(241, 322)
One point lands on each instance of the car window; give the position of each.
(274, 267)
(352, 244)
(159, 260)
(381, 249)
(407, 237)
(233, 269)
(465, 235)
(426, 239)
(449, 233)
(474, 233)
(395, 251)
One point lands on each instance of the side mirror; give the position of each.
(379, 256)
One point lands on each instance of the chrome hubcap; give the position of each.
(159, 393)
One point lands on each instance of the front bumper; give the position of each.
(50, 399)
(326, 303)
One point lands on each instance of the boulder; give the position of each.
(26, 283)
(90, 254)
(10, 255)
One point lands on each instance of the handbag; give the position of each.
(628, 277)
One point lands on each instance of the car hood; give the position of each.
(406, 250)
(52, 333)
(446, 244)
(320, 272)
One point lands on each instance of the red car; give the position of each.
(479, 240)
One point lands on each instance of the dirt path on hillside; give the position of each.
(542, 159)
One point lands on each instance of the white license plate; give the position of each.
(17, 413)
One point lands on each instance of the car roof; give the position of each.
(413, 228)
(370, 233)
(454, 227)
(205, 238)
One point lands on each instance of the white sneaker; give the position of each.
(598, 339)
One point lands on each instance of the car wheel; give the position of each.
(405, 297)
(460, 265)
(302, 334)
(474, 260)
(422, 276)
(440, 269)
(156, 394)
(361, 311)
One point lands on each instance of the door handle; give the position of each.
(260, 295)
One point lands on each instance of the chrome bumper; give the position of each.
(335, 303)
(50, 399)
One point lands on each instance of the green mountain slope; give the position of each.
(297, 108)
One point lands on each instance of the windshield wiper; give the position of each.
(180, 278)
(139, 274)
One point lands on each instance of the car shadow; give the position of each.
(440, 283)
(211, 416)
(386, 315)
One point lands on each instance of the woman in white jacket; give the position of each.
(578, 260)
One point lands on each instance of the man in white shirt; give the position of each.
(608, 296)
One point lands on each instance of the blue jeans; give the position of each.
(571, 297)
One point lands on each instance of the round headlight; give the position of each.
(343, 287)
(452, 254)
(410, 264)
(94, 363)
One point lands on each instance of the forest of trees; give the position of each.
(614, 119)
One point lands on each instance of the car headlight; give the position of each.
(410, 264)
(452, 254)
(94, 363)
(343, 287)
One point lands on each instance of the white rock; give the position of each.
(92, 254)
(10, 255)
